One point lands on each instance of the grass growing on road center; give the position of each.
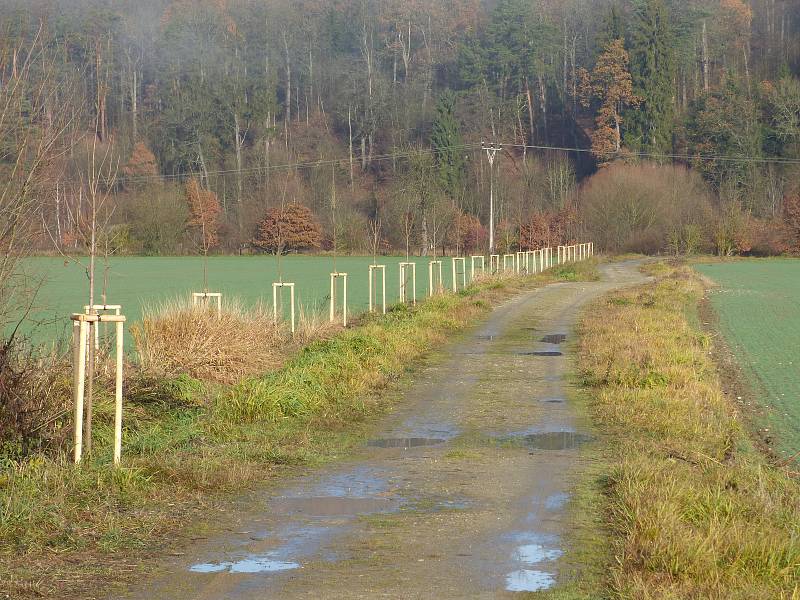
(692, 508)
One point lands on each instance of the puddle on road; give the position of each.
(405, 443)
(552, 400)
(556, 501)
(528, 580)
(332, 506)
(250, 564)
(541, 353)
(535, 550)
(554, 338)
(535, 553)
(357, 482)
(555, 440)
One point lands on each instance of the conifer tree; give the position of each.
(649, 126)
(448, 145)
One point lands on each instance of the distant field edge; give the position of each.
(686, 504)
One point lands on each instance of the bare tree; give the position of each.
(33, 119)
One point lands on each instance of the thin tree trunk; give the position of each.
(706, 84)
(239, 184)
(529, 102)
(350, 143)
(288, 116)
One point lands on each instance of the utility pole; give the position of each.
(491, 151)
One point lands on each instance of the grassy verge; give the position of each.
(66, 531)
(692, 509)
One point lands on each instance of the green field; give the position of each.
(138, 282)
(758, 303)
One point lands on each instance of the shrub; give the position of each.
(647, 208)
(35, 396)
(178, 338)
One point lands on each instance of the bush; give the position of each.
(178, 338)
(647, 208)
(35, 397)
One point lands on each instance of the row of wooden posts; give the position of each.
(86, 325)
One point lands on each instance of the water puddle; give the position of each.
(405, 443)
(529, 580)
(332, 506)
(534, 550)
(555, 440)
(485, 338)
(357, 482)
(250, 564)
(554, 338)
(556, 501)
(541, 353)
(535, 553)
(553, 401)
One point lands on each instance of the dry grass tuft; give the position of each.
(177, 338)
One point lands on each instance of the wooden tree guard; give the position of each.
(494, 263)
(275, 286)
(80, 333)
(206, 297)
(473, 260)
(522, 261)
(459, 260)
(373, 270)
(101, 309)
(435, 265)
(334, 278)
(404, 268)
(506, 258)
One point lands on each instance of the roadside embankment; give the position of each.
(692, 508)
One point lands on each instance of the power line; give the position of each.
(297, 165)
(462, 147)
(687, 157)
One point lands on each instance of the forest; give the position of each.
(291, 125)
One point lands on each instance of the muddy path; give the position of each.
(463, 493)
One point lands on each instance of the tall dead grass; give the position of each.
(178, 338)
(694, 509)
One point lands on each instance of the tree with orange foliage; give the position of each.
(141, 164)
(204, 211)
(547, 229)
(288, 228)
(610, 84)
(791, 220)
(471, 233)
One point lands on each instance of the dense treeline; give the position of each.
(380, 109)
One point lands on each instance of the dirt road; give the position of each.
(463, 494)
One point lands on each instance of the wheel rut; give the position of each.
(462, 493)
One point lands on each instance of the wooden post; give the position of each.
(431, 288)
(472, 260)
(334, 278)
(205, 297)
(463, 262)
(404, 267)
(275, 286)
(521, 256)
(373, 269)
(494, 263)
(118, 396)
(79, 374)
(101, 309)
